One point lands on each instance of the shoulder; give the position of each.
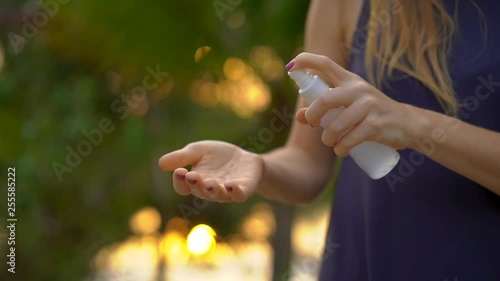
(330, 26)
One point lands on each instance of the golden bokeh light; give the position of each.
(258, 257)
(236, 19)
(140, 253)
(201, 52)
(173, 248)
(243, 91)
(257, 97)
(101, 259)
(178, 224)
(267, 62)
(309, 234)
(234, 69)
(223, 254)
(145, 221)
(203, 93)
(182, 254)
(260, 224)
(201, 239)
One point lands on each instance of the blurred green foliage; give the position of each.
(59, 84)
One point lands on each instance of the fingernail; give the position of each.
(229, 188)
(191, 181)
(210, 188)
(180, 177)
(290, 65)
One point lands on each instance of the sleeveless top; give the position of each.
(424, 222)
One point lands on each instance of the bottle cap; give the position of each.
(301, 78)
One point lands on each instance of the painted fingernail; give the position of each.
(191, 181)
(210, 188)
(229, 188)
(180, 177)
(290, 65)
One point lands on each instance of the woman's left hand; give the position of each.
(369, 115)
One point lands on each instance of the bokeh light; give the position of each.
(201, 52)
(271, 66)
(173, 248)
(234, 69)
(241, 90)
(309, 234)
(194, 254)
(145, 221)
(260, 223)
(236, 19)
(201, 239)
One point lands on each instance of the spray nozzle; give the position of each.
(301, 78)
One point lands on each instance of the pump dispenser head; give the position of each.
(301, 78)
(310, 86)
(376, 159)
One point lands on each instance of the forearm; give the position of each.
(298, 172)
(290, 175)
(469, 150)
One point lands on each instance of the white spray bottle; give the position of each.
(376, 159)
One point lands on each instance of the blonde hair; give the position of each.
(413, 37)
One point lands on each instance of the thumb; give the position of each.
(189, 155)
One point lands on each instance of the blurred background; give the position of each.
(93, 92)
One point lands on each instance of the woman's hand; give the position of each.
(369, 115)
(220, 171)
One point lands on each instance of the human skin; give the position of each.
(299, 171)
(466, 149)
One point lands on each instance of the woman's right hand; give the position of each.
(220, 171)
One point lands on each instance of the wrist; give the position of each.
(428, 130)
(259, 159)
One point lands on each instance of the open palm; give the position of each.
(220, 171)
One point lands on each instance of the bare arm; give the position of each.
(295, 173)
(370, 115)
(469, 150)
(300, 170)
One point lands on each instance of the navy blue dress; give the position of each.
(424, 222)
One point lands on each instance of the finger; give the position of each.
(179, 180)
(189, 155)
(301, 116)
(215, 191)
(357, 135)
(339, 125)
(237, 191)
(330, 71)
(195, 183)
(332, 99)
